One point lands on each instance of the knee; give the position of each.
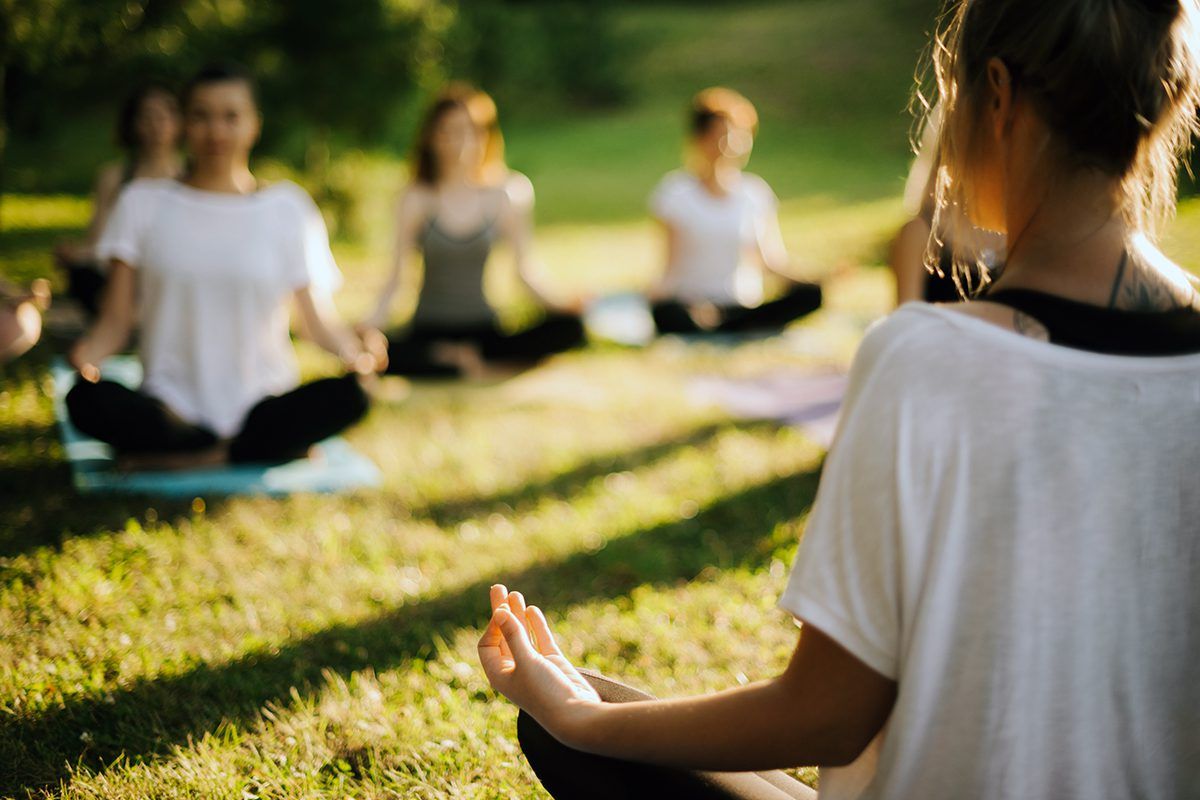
(82, 403)
(536, 742)
(571, 332)
(810, 292)
(357, 401)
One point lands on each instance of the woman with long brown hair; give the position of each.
(997, 581)
(148, 131)
(461, 202)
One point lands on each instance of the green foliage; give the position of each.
(323, 647)
(333, 78)
(531, 53)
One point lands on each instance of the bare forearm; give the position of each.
(907, 259)
(534, 280)
(323, 326)
(749, 728)
(387, 295)
(337, 339)
(108, 337)
(111, 331)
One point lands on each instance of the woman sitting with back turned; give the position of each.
(998, 579)
(208, 267)
(722, 229)
(461, 203)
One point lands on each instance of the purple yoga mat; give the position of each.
(809, 400)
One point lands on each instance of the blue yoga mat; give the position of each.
(337, 468)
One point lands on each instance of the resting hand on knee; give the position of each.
(523, 662)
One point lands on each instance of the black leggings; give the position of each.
(572, 775)
(85, 283)
(411, 353)
(277, 429)
(672, 316)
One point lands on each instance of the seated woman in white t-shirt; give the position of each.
(998, 580)
(722, 230)
(208, 267)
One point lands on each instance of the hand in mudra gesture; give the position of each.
(524, 663)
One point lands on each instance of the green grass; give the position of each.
(323, 647)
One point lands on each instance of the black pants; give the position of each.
(278, 429)
(410, 353)
(571, 775)
(671, 316)
(85, 284)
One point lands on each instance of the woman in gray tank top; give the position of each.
(462, 201)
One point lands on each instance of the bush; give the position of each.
(530, 54)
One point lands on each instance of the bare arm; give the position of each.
(411, 213)
(516, 225)
(906, 257)
(772, 252)
(824, 709)
(666, 284)
(110, 333)
(108, 187)
(321, 323)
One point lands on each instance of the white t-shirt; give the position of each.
(1011, 530)
(714, 235)
(215, 274)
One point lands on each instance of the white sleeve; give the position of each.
(665, 199)
(313, 264)
(846, 580)
(765, 203)
(124, 233)
(765, 198)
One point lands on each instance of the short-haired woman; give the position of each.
(721, 227)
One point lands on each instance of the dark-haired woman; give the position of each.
(207, 266)
(722, 230)
(998, 581)
(148, 129)
(462, 202)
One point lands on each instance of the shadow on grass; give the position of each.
(145, 719)
(40, 507)
(448, 513)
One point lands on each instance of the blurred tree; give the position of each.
(534, 53)
(322, 69)
(37, 33)
(333, 76)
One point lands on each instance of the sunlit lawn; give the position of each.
(324, 646)
(321, 646)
